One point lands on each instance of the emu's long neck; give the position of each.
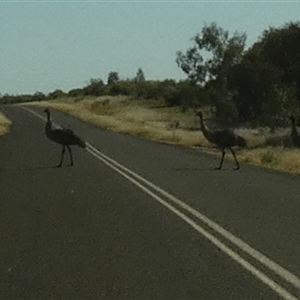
(206, 132)
(48, 123)
(203, 127)
(294, 129)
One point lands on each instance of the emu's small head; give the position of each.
(292, 118)
(47, 111)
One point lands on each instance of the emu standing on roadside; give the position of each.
(222, 139)
(64, 137)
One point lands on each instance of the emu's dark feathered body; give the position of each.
(64, 137)
(222, 139)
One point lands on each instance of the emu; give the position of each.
(294, 134)
(222, 139)
(64, 137)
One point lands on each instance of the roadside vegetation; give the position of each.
(253, 91)
(153, 120)
(4, 125)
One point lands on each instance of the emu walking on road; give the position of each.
(222, 139)
(295, 135)
(64, 137)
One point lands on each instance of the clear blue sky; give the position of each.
(48, 45)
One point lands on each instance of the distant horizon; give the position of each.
(52, 45)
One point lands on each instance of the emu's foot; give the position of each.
(217, 168)
(236, 168)
(58, 166)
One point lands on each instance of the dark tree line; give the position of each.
(171, 92)
(258, 85)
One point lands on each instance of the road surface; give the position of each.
(134, 219)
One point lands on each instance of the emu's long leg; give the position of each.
(236, 161)
(222, 159)
(62, 156)
(71, 156)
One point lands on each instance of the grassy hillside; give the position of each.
(152, 120)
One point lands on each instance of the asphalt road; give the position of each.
(134, 219)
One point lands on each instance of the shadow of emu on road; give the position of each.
(33, 168)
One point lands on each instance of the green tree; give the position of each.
(122, 87)
(76, 92)
(280, 47)
(113, 78)
(212, 55)
(38, 96)
(183, 94)
(56, 94)
(96, 87)
(208, 63)
(140, 76)
(254, 96)
(267, 81)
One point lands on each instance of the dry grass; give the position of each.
(151, 120)
(134, 117)
(4, 125)
(275, 158)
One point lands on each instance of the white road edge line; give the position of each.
(283, 273)
(236, 257)
(271, 265)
